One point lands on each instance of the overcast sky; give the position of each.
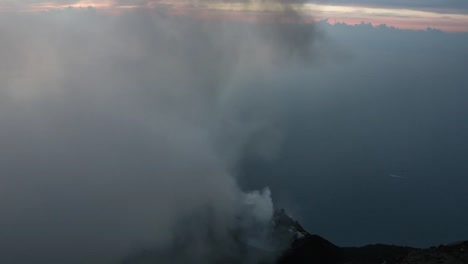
(119, 125)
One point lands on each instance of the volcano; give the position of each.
(292, 244)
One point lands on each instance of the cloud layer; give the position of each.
(448, 16)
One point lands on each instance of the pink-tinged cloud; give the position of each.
(248, 11)
(399, 18)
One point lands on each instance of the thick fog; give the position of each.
(119, 131)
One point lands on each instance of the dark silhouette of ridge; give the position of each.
(294, 245)
(308, 248)
(312, 249)
(454, 253)
(379, 253)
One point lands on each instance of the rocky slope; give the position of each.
(455, 253)
(292, 244)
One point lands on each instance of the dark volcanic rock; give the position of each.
(388, 254)
(312, 249)
(303, 247)
(290, 243)
(455, 253)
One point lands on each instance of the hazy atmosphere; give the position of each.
(147, 124)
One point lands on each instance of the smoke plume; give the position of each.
(122, 132)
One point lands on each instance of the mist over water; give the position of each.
(119, 132)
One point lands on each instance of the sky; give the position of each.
(126, 128)
(415, 14)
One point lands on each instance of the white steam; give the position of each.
(124, 132)
(261, 205)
